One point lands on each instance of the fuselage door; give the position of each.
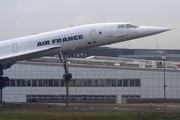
(93, 37)
(15, 48)
(93, 34)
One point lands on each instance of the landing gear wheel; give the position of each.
(67, 77)
(2, 81)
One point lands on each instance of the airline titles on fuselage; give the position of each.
(60, 40)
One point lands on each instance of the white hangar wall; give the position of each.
(41, 83)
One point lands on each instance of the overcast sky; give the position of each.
(24, 17)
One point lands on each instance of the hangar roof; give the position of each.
(100, 62)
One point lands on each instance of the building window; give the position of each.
(18, 83)
(125, 83)
(114, 83)
(96, 83)
(62, 83)
(130, 96)
(77, 55)
(85, 54)
(73, 83)
(45, 83)
(40, 83)
(12, 83)
(85, 83)
(51, 83)
(131, 83)
(90, 83)
(78, 83)
(108, 83)
(102, 83)
(56, 83)
(110, 98)
(82, 55)
(28, 83)
(119, 82)
(34, 83)
(74, 55)
(23, 83)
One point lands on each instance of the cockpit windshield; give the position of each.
(121, 26)
(131, 26)
(127, 26)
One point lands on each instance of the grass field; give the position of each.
(94, 116)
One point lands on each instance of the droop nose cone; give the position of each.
(156, 30)
(143, 31)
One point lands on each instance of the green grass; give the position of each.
(97, 116)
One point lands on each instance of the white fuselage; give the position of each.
(70, 39)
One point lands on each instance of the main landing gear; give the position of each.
(67, 76)
(4, 81)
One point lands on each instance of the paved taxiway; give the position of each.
(36, 108)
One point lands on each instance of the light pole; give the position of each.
(164, 87)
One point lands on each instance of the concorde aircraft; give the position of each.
(69, 39)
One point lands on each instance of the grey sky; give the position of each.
(23, 17)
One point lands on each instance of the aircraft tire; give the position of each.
(2, 81)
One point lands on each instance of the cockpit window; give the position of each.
(127, 26)
(121, 26)
(131, 26)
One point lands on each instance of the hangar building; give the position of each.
(95, 80)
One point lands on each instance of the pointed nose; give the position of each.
(148, 30)
(156, 30)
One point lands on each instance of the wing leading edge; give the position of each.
(25, 55)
